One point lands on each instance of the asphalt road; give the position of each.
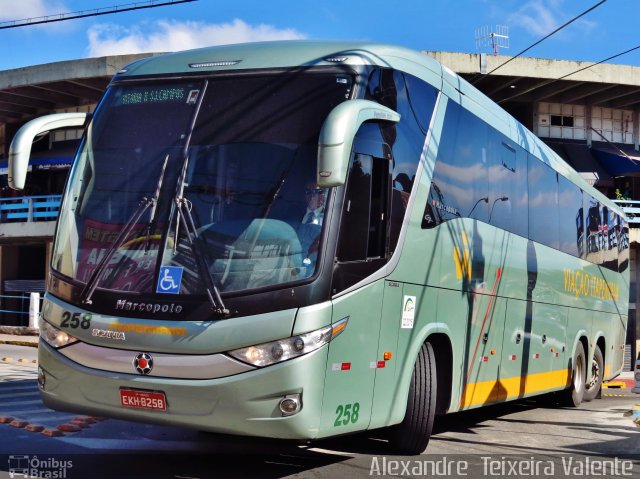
(527, 438)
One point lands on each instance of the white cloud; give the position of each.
(168, 35)
(20, 10)
(541, 17)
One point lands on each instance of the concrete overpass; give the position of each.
(528, 80)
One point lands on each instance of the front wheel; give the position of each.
(594, 376)
(573, 396)
(412, 435)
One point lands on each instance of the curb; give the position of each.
(619, 383)
(19, 343)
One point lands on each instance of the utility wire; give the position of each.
(549, 82)
(89, 13)
(543, 39)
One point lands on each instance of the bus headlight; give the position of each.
(266, 354)
(53, 336)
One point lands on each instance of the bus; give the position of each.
(453, 259)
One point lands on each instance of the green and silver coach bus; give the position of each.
(453, 260)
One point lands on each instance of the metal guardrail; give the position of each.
(29, 208)
(30, 305)
(631, 209)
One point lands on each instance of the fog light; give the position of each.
(290, 405)
(42, 378)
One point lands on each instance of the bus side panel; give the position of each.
(386, 392)
(516, 348)
(350, 378)
(547, 353)
(621, 321)
(429, 301)
(482, 351)
(611, 327)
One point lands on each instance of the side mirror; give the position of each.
(20, 149)
(337, 134)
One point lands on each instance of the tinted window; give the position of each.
(593, 225)
(571, 230)
(460, 179)
(507, 187)
(357, 211)
(543, 203)
(414, 100)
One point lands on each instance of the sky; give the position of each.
(439, 25)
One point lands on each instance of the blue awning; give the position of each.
(615, 163)
(38, 164)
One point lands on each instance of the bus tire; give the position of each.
(594, 376)
(573, 396)
(412, 435)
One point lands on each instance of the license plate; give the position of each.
(154, 400)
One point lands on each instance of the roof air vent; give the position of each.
(222, 63)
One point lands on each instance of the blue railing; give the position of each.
(631, 209)
(29, 208)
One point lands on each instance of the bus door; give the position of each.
(547, 367)
(534, 346)
(483, 344)
(361, 251)
(516, 348)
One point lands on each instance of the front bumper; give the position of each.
(242, 404)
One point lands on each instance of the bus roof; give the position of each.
(303, 53)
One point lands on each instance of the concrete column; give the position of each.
(34, 310)
(587, 121)
(3, 139)
(636, 129)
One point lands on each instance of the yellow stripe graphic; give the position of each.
(485, 392)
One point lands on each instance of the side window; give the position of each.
(593, 226)
(571, 229)
(609, 240)
(363, 229)
(363, 242)
(543, 203)
(415, 101)
(459, 187)
(507, 187)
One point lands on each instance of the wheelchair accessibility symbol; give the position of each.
(169, 280)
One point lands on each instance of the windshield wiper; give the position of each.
(199, 251)
(143, 206)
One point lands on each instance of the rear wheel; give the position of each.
(574, 395)
(594, 376)
(412, 435)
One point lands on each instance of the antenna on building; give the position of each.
(494, 37)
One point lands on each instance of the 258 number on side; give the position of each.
(348, 413)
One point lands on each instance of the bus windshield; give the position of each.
(178, 184)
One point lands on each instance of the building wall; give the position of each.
(575, 122)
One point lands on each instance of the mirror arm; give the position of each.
(20, 149)
(337, 135)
